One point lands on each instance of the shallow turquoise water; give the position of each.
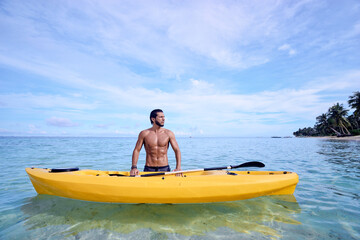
(327, 202)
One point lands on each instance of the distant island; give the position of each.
(336, 121)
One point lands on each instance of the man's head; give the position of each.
(154, 115)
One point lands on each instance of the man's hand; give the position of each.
(178, 174)
(134, 172)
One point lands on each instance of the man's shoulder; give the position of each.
(145, 132)
(168, 132)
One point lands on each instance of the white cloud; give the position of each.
(284, 104)
(61, 122)
(32, 101)
(167, 35)
(212, 107)
(5, 131)
(103, 126)
(33, 129)
(125, 132)
(287, 48)
(345, 81)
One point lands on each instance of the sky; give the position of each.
(216, 68)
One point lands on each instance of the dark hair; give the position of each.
(153, 114)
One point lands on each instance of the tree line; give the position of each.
(336, 122)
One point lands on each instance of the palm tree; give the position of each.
(354, 102)
(337, 118)
(322, 125)
(353, 121)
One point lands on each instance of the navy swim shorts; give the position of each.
(157, 169)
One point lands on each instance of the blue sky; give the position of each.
(216, 68)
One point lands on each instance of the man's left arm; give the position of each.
(176, 149)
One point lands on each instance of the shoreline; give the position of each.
(354, 138)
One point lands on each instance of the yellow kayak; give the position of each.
(191, 187)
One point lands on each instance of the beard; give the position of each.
(157, 123)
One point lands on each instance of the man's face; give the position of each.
(160, 119)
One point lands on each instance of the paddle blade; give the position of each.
(152, 174)
(250, 164)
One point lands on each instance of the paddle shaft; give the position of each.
(247, 164)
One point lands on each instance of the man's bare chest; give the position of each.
(157, 140)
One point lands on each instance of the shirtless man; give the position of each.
(156, 141)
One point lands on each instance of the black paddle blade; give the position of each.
(152, 174)
(249, 164)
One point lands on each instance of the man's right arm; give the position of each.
(136, 152)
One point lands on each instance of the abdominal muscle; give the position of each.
(156, 156)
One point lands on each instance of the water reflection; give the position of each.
(254, 215)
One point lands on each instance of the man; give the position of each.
(156, 141)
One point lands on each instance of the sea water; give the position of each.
(326, 203)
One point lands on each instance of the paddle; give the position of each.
(243, 165)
